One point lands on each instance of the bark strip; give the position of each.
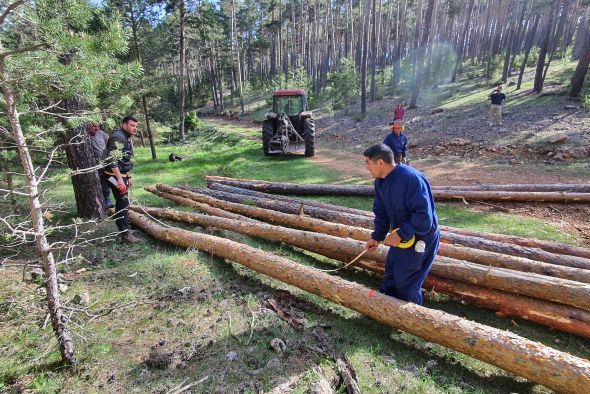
(539, 363)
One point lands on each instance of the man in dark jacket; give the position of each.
(497, 98)
(405, 220)
(117, 173)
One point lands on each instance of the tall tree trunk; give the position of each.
(527, 49)
(461, 42)
(544, 47)
(373, 50)
(584, 61)
(181, 70)
(58, 320)
(143, 97)
(364, 56)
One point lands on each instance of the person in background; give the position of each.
(405, 220)
(117, 173)
(398, 113)
(98, 141)
(497, 98)
(397, 142)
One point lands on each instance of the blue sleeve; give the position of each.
(387, 141)
(420, 207)
(381, 221)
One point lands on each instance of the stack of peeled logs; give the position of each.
(543, 282)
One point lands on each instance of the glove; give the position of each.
(122, 188)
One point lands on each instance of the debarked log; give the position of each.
(539, 286)
(365, 222)
(498, 196)
(556, 370)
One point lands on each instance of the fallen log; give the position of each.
(498, 196)
(310, 224)
(273, 204)
(561, 317)
(366, 222)
(307, 202)
(548, 246)
(516, 250)
(439, 194)
(185, 197)
(530, 187)
(558, 290)
(534, 361)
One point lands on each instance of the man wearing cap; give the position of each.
(405, 220)
(397, 142)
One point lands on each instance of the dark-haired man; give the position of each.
(405, 220)
(117, 173)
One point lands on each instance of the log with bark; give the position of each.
(366, 222)
(534, 361)
(276, 205)
(552, 247)
(548, 246)
(558, 290)
(439, 194)
(561, 317)
(340, 230)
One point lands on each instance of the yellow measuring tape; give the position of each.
(405, 244)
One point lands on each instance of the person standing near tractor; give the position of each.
(405, 220)
(497, 98)
(117, 173)
(397, 142)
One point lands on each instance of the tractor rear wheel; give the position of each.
(309, 136)
(267, 132)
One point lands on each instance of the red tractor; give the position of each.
(289, 127)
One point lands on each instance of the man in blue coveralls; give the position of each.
(405, 220)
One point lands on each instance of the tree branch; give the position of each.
(9, 9)
(32, 48)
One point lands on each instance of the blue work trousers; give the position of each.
(406, 270)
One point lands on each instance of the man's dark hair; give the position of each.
(126, 119)
(379, 151)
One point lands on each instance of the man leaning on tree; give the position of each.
(117, 174)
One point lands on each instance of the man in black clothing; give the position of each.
(498, 99)
(117, 173)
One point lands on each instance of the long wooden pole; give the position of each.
(439, 194)
(548, 246)
(516, 187)
(538, 286)
(494, 259)
(558, 316)
(367, 222)
(534, 361)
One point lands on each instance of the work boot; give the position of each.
(128, 238)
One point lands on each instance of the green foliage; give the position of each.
(192, 122)
(297, 79)
(343, 84)
(586, 100)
